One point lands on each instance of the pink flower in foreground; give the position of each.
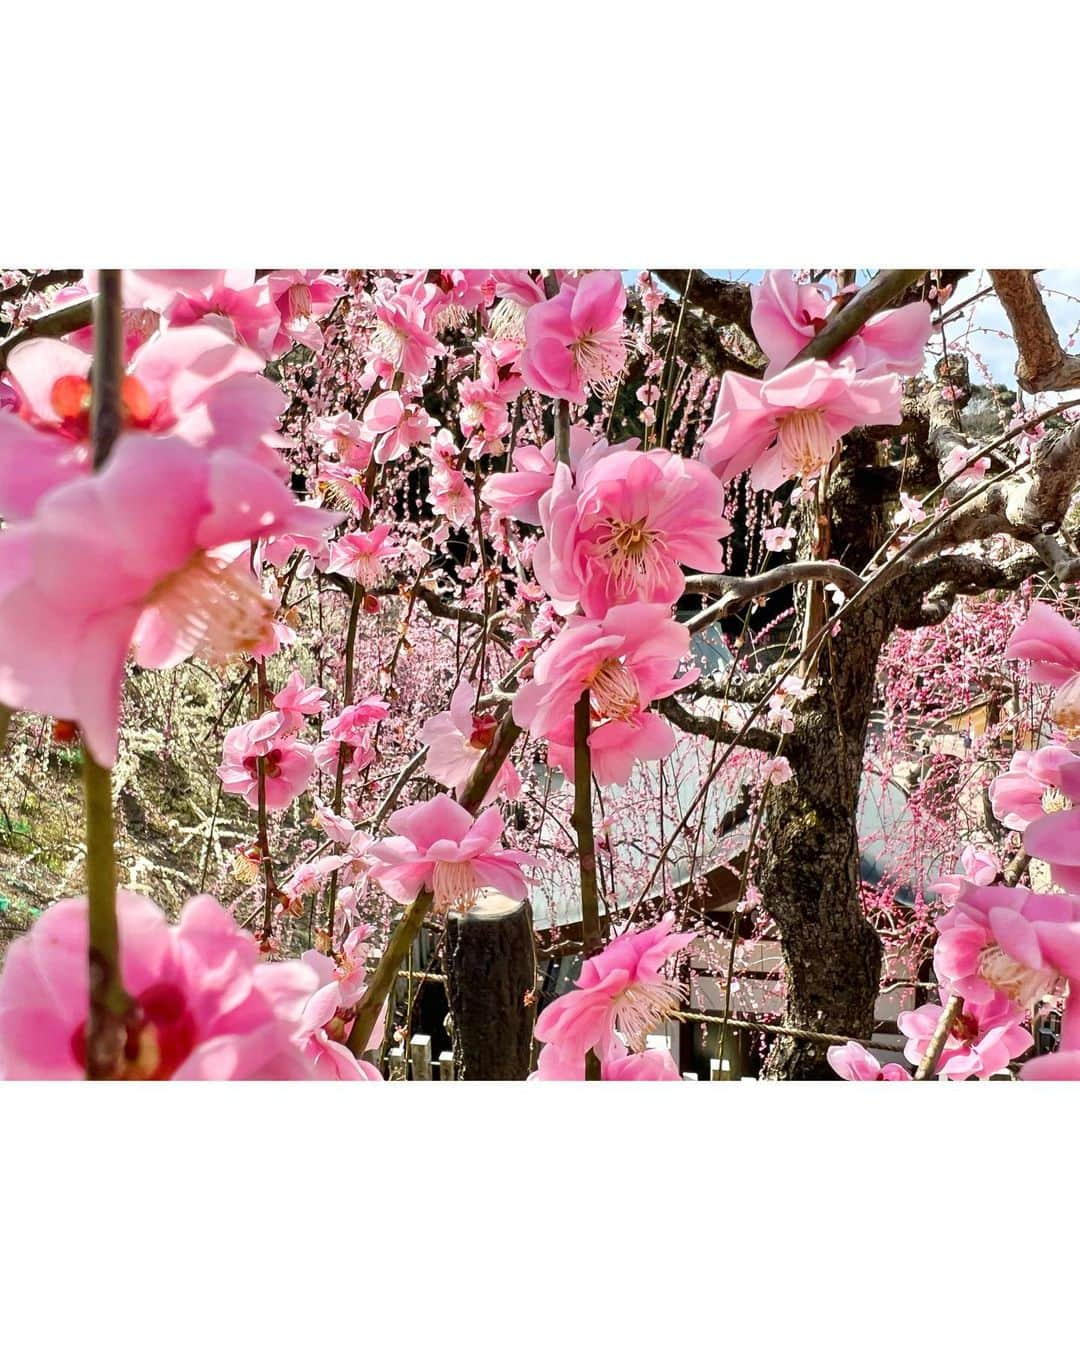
(858, 1065)
(1052, 645)
(205, 1006)
(353, 724)
(956, 462)
(1035, 784)
(789, 426)
(241, 307)
(985, 1037)
(621, 531)
(363, 554)
(625, 660)
(576, 340)
(438, 846)
(786, 314)
(456, 742)
(115, 560)
(287, 763)
(1008, 940)
(620, 990)
(194, 383)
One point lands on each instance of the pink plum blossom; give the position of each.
(554, 1064)
(621, 530)
(205, 1006)
(456, 742)
(625, 660)
(112, 561)
(984, 1038)
(1035, 783)
(286, 762)
(855, 1063)
(788, 426)
(1052, 645)
(298, 700)
(194, 383)
(622, 989)
(301, 297)
(362, 555)
(786, 314)
(576, 340)
(400, 338)
(438, 846)
(1009, 940)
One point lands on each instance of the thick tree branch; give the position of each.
(728, 301)
(698, 724)
(1041, 364)
(878, 294)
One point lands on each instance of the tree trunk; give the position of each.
(490, 965)
(810, 857)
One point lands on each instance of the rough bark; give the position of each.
(490, 964)
(810, 871)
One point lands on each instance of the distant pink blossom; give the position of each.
(777, 771)
(789, 426)
(778, 539)
(438, 846)
(205, 1006)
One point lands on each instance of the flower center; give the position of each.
(599, 357)
(614, 691)
(641, 1007)
(454, 885)
(389, 342)
(1022, 984)
(483, 731)
(161, 1034)
(300, 300)
(219, 610)
(806, 443)
(508, 320)
(631, 549)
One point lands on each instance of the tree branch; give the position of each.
(1041, 363)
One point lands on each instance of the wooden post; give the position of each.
(420, 1056)
(397, 1068)
(446, 1067)
(490, 964)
